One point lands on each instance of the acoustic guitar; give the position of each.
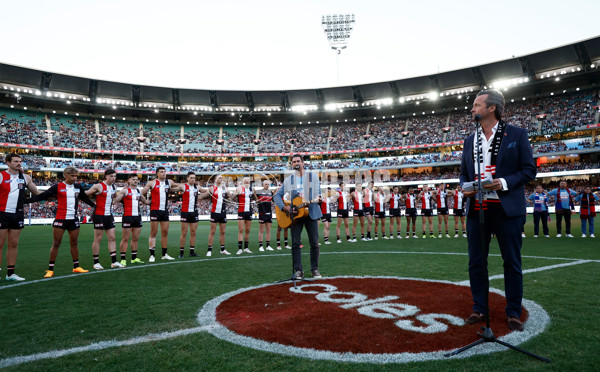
(285, 220)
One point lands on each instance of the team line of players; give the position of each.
(368, 206)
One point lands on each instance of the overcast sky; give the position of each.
(279, 44)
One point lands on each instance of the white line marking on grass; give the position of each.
(96, 346)
(146, 266)
(537, 269)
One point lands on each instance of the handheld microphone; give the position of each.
(477, 118)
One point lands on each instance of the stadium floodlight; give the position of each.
(338, 28)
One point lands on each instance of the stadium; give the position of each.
(224, 312)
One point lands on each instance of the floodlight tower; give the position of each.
(337, 28)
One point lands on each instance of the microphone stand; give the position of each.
(486, 335)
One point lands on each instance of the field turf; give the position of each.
(68, 311)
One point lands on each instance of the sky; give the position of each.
(279, 45)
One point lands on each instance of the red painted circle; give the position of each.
(276, 314)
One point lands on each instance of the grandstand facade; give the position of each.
(405, 132)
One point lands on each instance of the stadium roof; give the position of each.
(531, 74)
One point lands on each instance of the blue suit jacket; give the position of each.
(515, 164)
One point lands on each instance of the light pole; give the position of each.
(337, 28)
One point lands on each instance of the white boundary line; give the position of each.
(536, 323)
(101, 345)
(155, 265)
(537, 269)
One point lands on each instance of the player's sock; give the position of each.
(51, 265)
(10, 269)
(152, 250)
(113, 256)
(164, 251)
(75, 263)
(133, 255)
(96, 260)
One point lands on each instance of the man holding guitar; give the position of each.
(305, 191)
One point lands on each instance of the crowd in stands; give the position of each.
(162, 139)
(73, 132)
(566, 111)
(201, 140)
(238, 140)
(549, 113)
(119, 136)
(572, 165)
(551, 147)
(22, 127)
(426, 129)
(311, 138)
(348, 137)
(275, 139)
(385, 134)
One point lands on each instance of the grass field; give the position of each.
(69, 311)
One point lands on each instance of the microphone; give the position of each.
(477, 118)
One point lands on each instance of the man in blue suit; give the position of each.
(305, 184)
(506, 159)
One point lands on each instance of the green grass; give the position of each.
(120, 304)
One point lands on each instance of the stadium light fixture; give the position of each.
(338, 28)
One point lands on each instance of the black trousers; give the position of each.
(537, 216)
(312, 229)
(566, 213)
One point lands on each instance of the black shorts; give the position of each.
(159, 216)
(218, 217)
(342, 213)
(379, 215)
(459, 212)
(442, 211)
(12, 221)
(410, 212)
(265, 218)
(103, 222)
(189, 217)
(427, 212)
(246, 216)
(358, 213)
(68, 225)
(395, 212)
(369, 211)
(326, 217)
(131, 222)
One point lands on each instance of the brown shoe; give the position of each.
(474, 318)
(515, 324)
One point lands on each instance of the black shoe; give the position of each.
(181, 255)
(193, 254)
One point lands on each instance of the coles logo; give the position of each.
(362, 319)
